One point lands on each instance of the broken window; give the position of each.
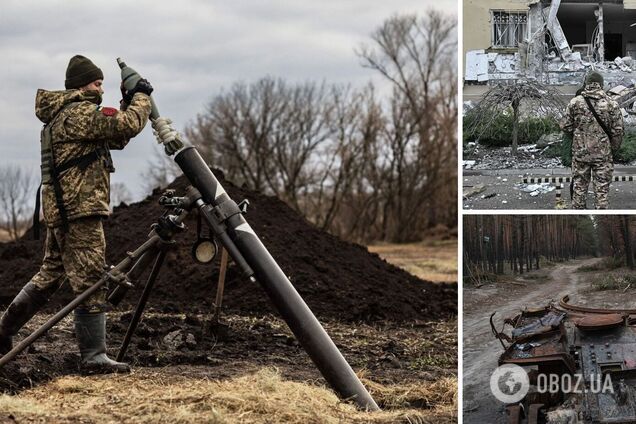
(508, 28)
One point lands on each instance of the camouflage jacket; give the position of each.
(589, 140)
(80, 126)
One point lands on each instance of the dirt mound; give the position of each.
(337, 279)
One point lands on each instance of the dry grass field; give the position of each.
(433, 260)
(154, 396)
(4, 236)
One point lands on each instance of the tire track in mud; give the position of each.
(481, 349)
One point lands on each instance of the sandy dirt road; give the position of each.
(481, 349)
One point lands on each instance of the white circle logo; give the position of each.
(509, 383)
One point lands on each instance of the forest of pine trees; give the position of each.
(498, 244)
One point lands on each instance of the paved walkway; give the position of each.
(501, 189)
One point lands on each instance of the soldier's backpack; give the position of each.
(51, 173)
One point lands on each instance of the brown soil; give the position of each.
(337, 279)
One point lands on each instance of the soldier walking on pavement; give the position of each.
(76, 140)
(595, 123)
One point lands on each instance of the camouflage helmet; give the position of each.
(594, 76)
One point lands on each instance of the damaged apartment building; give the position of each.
(553, 41)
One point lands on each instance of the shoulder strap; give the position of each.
(598, 118)
(50, 167)
(36, 215)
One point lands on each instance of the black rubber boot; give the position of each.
(20, 311)
(90, 330)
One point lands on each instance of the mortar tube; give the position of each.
(308, 331)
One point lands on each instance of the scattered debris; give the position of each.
(536, 189)
(548, 140)
(178, 339)
(529, 156)
(468, 164)
(472, 191)
(595, 344)
(540, 325)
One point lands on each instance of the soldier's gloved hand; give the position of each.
(166, 135)
(125, 100)
(123, 90)
(142, 86)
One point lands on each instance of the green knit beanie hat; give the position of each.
(594, 77)
(80, 72)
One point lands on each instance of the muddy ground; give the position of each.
(188, 345)
(507, 298)
(389, 353)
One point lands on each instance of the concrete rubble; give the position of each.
(624, 95)
(492, 68)
(536, 189)
(564, 64)
(480, 157)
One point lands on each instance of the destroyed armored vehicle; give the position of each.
(580, 362)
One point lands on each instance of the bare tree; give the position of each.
(266, 134)
(161, 171)
(360, 167)
(523, 99)
(346, 198)
(17, 191)
(417, 55)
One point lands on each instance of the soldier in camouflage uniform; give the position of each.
(81, 135)
(592, 148)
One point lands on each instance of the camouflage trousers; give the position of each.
(78, 255)
(600, 172)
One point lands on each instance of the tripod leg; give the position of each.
(220, 286)
(141, 304)
(51, 322)
(121, 267)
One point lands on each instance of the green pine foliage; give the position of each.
(626, 154)
(496, 131)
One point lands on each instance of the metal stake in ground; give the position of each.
(220, 286)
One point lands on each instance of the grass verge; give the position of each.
(614, 282)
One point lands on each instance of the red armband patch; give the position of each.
(109, 111)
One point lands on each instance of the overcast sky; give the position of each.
(189, 50)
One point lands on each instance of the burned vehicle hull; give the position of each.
(581, 364)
